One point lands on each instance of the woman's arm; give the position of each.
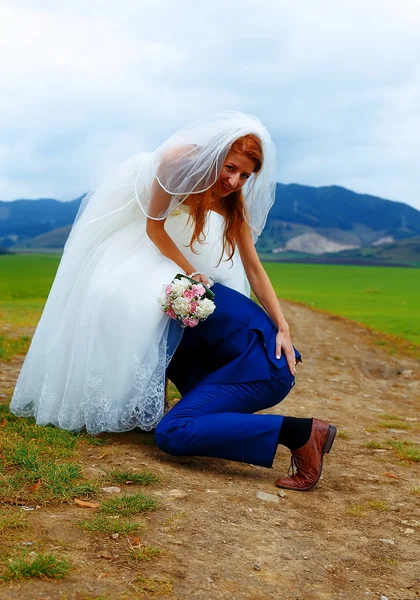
(156, 231)
(264, 291)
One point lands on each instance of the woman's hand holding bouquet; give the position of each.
(186, 300)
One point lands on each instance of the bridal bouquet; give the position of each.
(187, 301)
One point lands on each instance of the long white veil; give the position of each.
(100, 351)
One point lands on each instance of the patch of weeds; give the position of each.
(109, 525)
(43, 565)
(13, 346)
(415, 490)
(143, 478)
(378, 505)
(394, 425)
(10, 519)
(375, 446)
(45, 481)
(359, 510)
(391, 561)
(343, 434)
(58, 481)
(36, 461)
(154, 585)
(406, 451)
(371, 429)
(389, 417)
(94, 440)
(387, 421)
(128, 505)
(86, 489)
(173, 394)
(45, 440)
(145, 553)
(174, 520)
(356, 510)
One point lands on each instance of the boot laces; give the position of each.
(295, 465)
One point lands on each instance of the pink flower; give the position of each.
(190, 322)
(168, 289)
(198, 289)
(189, 294)
(170, 313)
(193, 306)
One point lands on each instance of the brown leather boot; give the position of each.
(306, 464)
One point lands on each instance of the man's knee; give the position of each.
(169, 438)
(283, 381)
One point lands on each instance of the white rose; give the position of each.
(181, 306)
(205, 308)
(180, 285)
(162, 301)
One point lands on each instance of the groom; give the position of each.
(226, 370)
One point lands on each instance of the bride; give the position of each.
(196, 205)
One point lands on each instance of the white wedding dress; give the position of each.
(99, 354)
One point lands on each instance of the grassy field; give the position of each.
(385, 299)
(24, 285)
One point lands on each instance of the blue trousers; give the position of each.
(217, 420)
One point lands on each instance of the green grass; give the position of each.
(394, 425)
(145, 553)
(10, 519)
(43, 566)
(143, 478)
(383, 298)
(27, 277)
(356, 510)
(158, 586)
(375, 446)
(25, 282)
(406, 451)
(40, 463)
(109, 525)
(359, 510)
(13, 346)
(378, 505)
(126, 506)
(348, 291)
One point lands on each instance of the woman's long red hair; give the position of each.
(233, 205)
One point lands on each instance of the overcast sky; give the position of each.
(84, 84)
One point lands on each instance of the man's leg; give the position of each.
(216, 420)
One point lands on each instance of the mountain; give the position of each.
(344, 218)
(22, 220)
(303, 219)
(337, 207)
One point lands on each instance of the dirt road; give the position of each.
(354, 537)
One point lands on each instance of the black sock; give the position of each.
(294, 432)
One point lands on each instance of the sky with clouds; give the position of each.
(83, 85)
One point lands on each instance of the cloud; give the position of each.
(86, 84)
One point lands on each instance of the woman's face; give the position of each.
(236, 171)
